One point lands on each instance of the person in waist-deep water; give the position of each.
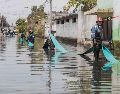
(31, 37)
(49, 44)
(46, 44)
(22, 37)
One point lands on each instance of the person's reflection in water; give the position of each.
(96, 71)
(97, 74)
(56, 57)
(50, 54)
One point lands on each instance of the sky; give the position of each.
(13, 9)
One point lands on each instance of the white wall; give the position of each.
(68, 29)
(79, 30)
(85, 22)
(54, 26)
(47, 28)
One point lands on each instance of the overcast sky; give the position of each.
(13, 9)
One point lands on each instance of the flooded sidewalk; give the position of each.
(25, 71)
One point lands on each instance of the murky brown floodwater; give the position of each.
(25, 71)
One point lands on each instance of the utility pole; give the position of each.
(50, 16)
(51, 43)
(2, 21)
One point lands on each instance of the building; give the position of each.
(75, 27)
(104, 10)
(85, 22)
(67, 27)
(80, 30)
(55, 15)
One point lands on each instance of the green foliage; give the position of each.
(88, 4)
(36, 19)
(21, 25)
(36, 15)
(34, 8)
(4, 21)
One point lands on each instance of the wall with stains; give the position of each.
(85, 23)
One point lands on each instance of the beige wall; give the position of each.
(85, 22)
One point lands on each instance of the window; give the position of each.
(74, 20)
(57, 22)
(67, 20)
(62, 22)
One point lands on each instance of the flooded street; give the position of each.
(25, 71)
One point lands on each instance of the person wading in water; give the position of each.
(47, 43)
(31, 39)
(22, 37)
(96, 35)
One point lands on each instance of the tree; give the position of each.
(4, 22)
(34, 8)
(36, 14)
(36, 19)
(21, 24)
(88, 4)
